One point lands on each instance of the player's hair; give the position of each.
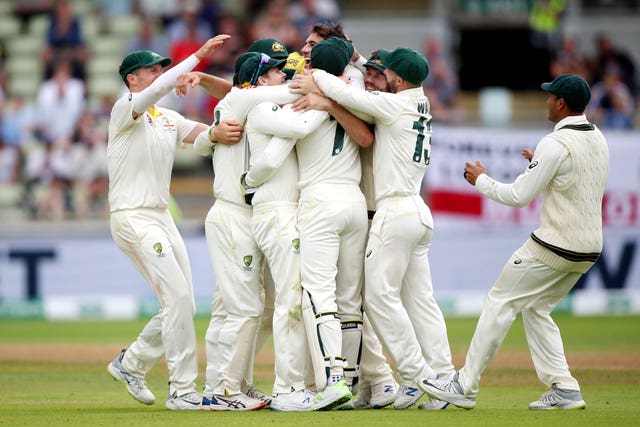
(326, 30)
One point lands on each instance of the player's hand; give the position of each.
(472, 171)
(527, 154)
(304, 84)
(312, 101)
(247, 191)
(228, 132)
(211, 45)
(187, 81)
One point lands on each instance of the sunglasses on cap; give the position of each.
(264, 59)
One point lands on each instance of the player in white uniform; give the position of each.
(236, 259)
(377, 385)
(569, 168)
(398, 291)
(140, 154)
(271, 135)
(332, 219)
(223, 131)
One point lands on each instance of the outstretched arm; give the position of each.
(163, 84)
(216, 86)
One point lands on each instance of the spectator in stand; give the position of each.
(306, 13)
(164, 11)
(17, 119)
(60, 102)
(569, 60)
(26, 9)
(65, 40)
(442, 84)
(9, 163)
(192, 103)
(149, 38)
(611, 104)
(273, 22)
(48, 181)
(610, 57)
(112, 9)
(88, 169)
(222, 61)
(188, 21)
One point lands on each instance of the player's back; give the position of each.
(328, 156)
(402, 146)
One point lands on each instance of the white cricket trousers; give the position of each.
(332, 220)
(275, 231)
(237, 264)
(374, 368)
(398, 294)
(150, 239)
(529, 286)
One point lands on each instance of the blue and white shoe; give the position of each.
(408, 395)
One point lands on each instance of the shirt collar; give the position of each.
(571, 120)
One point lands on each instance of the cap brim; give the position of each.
(546, 87)
(162, 61)
(280, 63)
(374, 66)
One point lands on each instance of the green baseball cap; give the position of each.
(374, 60)
(407, 63)
(256, 66)
(139, 59)
(331, 55)
(272, 47)
(573, 89)
(241, 60)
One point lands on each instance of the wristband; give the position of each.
(210, 135)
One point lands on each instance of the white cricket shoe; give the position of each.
(236, 402)
(298, 401)
(433, 405)
(257, 394)
(407, 396)
(334, 395)
(383, 394)
(557, 398)
(187, 402)
(449, 390)
(136, 386)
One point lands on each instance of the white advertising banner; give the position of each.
(453, 200)
(76, 276)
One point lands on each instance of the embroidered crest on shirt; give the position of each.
(296, 245)
(248, 259)
(158, 248)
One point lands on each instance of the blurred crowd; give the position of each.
(53, 147)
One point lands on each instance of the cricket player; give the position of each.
(398, 296)
(377, 385)
(332, 219)
(140, 155)
(238, 301)
(273, 176)
(569, 168)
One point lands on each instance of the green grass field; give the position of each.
(54, 373)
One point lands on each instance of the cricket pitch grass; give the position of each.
(54, 374)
